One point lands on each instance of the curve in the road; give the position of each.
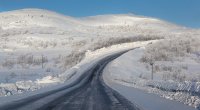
(90, 93)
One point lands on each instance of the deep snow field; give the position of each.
(38, 47)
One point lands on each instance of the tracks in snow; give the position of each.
(90, 93)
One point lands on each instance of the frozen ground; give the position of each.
(38, 48)
(148, 101)
(130, 71)
(79, 69)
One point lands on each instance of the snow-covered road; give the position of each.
(148, 101)
(87, 92)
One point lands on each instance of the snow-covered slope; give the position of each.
(129, 20)
(38, 18)
(127, 70)
(36, 45)
(27, 18)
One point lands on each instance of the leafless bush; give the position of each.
(48, 70)
(166, 76)
(105, 42)
(76, 56)
(156, 68)
(175, 76)
(8, 63)
(170, 49)
(142, 76)
(73, 58)
(178, 76)
(167, 68)
(24, 61)
(79, 43)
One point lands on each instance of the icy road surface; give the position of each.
(89, 93)
(149, 101)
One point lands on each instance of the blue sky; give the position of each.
(182, 12)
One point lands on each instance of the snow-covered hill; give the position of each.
(37, 18)
(27, 18)
(37, 46)
(130, 20)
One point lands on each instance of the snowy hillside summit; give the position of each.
(40, 48)
(38, 18)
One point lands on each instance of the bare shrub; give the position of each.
(105, 42)
(48, 70)
(31, 60)
(178, 76)
(166, 76)
(157, 68)
(73, 58)
(170, 49)
(167, 68)
(8, 63)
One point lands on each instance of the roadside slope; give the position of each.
(129, 77)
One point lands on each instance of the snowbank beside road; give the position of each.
(37, 47)
(128, 70)
(148, 101)
(78, 75)
(115, 48)
(49, 81)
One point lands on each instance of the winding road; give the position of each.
(89, 92)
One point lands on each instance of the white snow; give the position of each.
(128, 70)
(148, 101)
(30, 35)
(114, 48)
(40, 49)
